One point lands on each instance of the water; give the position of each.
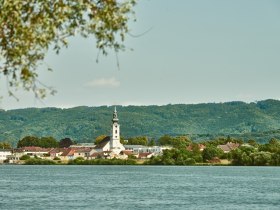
(139, 187)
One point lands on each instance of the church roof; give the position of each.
(103, 143)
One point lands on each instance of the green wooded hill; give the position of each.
(83, 124)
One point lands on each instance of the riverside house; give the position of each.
(4, 153)
(228, 147)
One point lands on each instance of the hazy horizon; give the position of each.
(126, 105)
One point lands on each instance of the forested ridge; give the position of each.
(258, 120)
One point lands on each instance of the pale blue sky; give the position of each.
(196, 51)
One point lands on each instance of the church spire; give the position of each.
(115, 116)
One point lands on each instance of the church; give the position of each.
(112, 143)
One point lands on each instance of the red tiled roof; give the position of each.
(68, 152)
(82, 149)
(35, 149)
(102, 154)
(144, 154)
(228, 146)
(127, 152)
(57, 150)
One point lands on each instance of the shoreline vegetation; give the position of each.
(182, 152)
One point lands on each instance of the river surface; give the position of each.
(139, 187)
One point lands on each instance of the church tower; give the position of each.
(115, 144)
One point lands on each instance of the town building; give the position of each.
(4, 153)
(145, 149)
(229, 146)
(113, 142)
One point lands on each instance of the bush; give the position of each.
(34, 161)
(24, 157)
(102, 162)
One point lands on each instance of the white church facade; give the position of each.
(112, 143)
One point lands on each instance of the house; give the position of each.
(4, 153)
(68, 154)
(56, 152)
(33, 151)
(229, 146)
(102, 154)
(15, 156)
(136, 149)
(73, 153)
(89, 145)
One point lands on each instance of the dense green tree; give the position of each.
(48, 142)
(36, 161)
(252, 142)
(65, 143)
(261, 158)
(29, 28)
(273, 146)
(29, 141)
(152, 142)
(165, 140)
(173, 157)
(24, 157)
(275, 159)
(210, 152)
(242, 156)
(5, 145)
(178, 142)
(45, 142)
(274, 141)
(223, 140)
(139, 140)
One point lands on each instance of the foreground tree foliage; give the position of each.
(29, 28)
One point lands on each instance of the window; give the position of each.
(116, 131)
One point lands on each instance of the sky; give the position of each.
(178, 52)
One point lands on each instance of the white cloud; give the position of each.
(104, 82)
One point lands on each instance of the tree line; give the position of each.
(44, 142)
(184, 151)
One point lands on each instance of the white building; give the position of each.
(146, 149)
(3, 154)
(115, 143)
(112, 143)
